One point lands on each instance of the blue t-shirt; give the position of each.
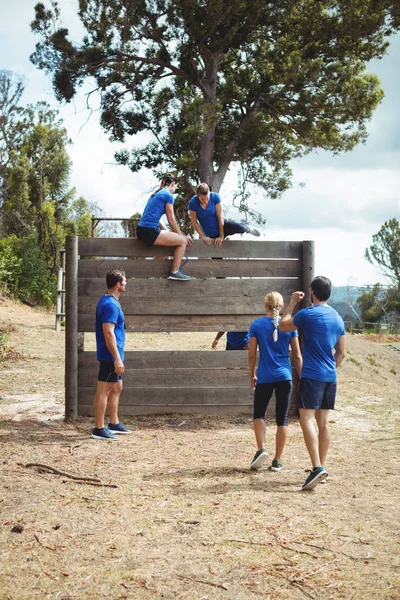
(238, 339)
(155, 209)
(321, 327)
(108, 310)
(207, 217)
(274, 364)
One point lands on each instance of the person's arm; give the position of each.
(340, 350)
(252, 362)
(169, 211)
(197, 227)
(216, 339)
(111, 343)
(286, 322)
(218, 213)
(296, 354)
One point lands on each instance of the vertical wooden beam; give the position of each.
(71, 328)
(308, 270)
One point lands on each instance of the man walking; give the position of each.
(323, 330)
(110, 341)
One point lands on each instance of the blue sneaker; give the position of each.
(118, 428)
(103, 434)
(314, 478)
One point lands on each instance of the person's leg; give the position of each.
(232, 227)
(283, 390)
(169, 238)
(310, 435)
(262, 396)
(100, 402)
(324, 434)
(113, 402)
(259, 432)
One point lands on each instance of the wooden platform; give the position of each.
(227, 295)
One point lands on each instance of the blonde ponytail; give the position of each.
(274, 302)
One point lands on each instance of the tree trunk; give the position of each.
(209, 83)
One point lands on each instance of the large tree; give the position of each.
(218, 82)
(385, 251)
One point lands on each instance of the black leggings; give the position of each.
(263, 394)
(231, 227)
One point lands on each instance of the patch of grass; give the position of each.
(393, 370)
(372, 360)
(7, 352)
(355, 361)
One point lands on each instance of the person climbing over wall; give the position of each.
(274, 373)
(153, 232)
(206, 215)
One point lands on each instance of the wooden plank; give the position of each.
(151, 323)
(181, 395)
(71, 332)
(230, 248)
(201, 359)
(167, 378)
(202, 268)
(201, 288)
(184, 306)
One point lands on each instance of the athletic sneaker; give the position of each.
(254, 231)
(103, 434)
(314, 478)
(118, 428)
(259, 459)
(179, 276)
(277, 465)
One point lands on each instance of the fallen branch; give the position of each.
(58, 472)
(282, 545)
(88, 482)
(217, 585)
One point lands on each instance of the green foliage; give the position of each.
(385, 251)
(37, 207)
(24, 271)
(217, 82)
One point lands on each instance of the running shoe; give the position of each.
(314, 478)
(259, 459)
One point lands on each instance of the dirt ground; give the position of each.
(175, 512)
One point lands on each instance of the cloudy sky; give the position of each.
(345, 199)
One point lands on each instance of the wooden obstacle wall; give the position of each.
(227, 295)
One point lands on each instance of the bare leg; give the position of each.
(280, 441)
(169, 238)
(310, 435)
(259, 431)
(113, 400)
(324, 433)
(100, 402)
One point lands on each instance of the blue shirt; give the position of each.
(238, 339)
(207, 217)
(155, 209)
(274, 364)
(321, 327)
(108, 310)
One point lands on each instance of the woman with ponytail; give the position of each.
(274, 372)
(153, 232)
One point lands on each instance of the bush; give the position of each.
(24, 272)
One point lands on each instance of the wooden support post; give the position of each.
(308, 270)
(71, 328)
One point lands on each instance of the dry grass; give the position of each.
(187, 518)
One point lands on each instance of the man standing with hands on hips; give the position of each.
(323, 331)
(110, 341)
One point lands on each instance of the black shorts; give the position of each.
(316, 395)
(263, 394)
(107, 373)
(148, 235)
